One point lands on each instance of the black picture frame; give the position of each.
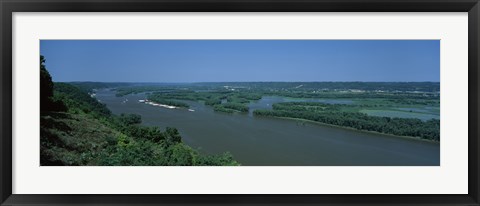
(7, 7)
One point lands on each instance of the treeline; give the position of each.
(308, 106)
(91, 86)
(128, 88)
(236, 102)
(405, 101)
(360, 95)
(47, 99)
(231, 108)
(139, 89)
(236, 106)
(329, 115)
(135, 88)
(83, 131)
(243, 98)
(367, 86)
(210, 98)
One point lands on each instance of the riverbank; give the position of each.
(353, 129)
(161, 105)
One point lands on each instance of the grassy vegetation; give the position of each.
(74, 139)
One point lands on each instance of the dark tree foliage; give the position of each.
(47, 103)
(215, 160)
(79, 101)
(329, 114)
(46, 84)
(140, 132)
(129, 119)
(231, 108)
(213, 101)
(173, 136)
(360, 95)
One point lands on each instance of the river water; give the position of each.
(266, 141)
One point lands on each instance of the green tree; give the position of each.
(130, 119)
(173, 136)
(46, 86)
(47, 102)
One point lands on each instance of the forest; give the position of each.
(76, 129)
(333, 114)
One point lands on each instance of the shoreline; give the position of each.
(161, 105)
(353, 129)
(166, 106)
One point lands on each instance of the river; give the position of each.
(265, 141)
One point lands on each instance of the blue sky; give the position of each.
(242, 60)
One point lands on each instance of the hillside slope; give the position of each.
(76, 129)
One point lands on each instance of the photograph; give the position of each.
(239, 102)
